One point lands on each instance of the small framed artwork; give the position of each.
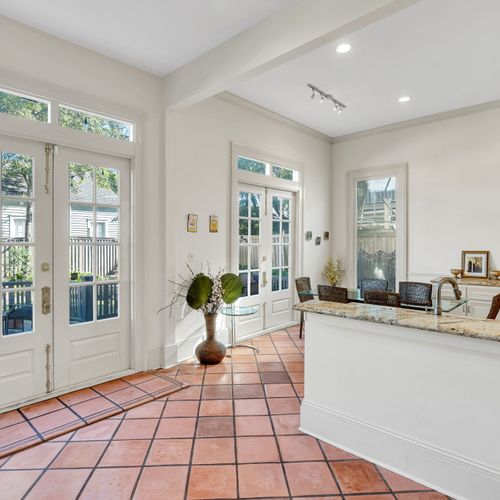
(192, 223)
(326, 235)
(309, 235)
(475, 263)
(213, 224)
(318, 240)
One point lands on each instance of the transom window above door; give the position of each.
(265, 168)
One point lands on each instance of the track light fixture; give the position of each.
(337, 105)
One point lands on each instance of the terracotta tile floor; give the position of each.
(232, 434)
(33, 424)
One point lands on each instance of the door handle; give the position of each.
(46, 301)
(264, 279)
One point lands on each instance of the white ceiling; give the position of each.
(444, 54)
(154, 35)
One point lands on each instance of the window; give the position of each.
(263, 168)
(32, 108)
(17, 227)
(93, 123)
(100, 231)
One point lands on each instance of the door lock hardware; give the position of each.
(264, 279)
(45, 267)
(46, 300)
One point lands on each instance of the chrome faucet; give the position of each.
(438, 310)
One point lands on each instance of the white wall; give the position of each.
(453, 179)
(43, 63)
(200, 173)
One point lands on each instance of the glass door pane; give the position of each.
(376, 226)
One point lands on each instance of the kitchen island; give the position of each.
(416, 393)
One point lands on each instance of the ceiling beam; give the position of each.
(281, 37)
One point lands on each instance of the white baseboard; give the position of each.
(438, 469)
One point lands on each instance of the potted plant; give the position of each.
(334, 271)
(208, 293)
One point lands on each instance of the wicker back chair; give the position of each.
(380, 298)
(495, 307)
(303, 284)
(332, 293)
(415, 293)
(373, 284)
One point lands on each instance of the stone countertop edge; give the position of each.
(485, 329)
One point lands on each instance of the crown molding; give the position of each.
(244, 103)
(476, 108)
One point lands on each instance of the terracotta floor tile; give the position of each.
(287, 350)
(299, 448)
(216, 408)
(217, 392)
(215, 427)
(37, 457)
(17, 433)
(176, 428)
(247, 358)
(261, 481)
(111, 483)
(99, 431)
(381, 496)
(218, 369)
(181, 409)
(56, 420)
(292, 357)
(217, 481)
(283, 405)
(299, 389)
(15, 484)
(294, 366)
(248, 391)
(253, 426)
(424, 495)
(189, 393)
(154, 385)
(126, 395)
(152, 409)
(137, 378)
(77, 455)
(271, 367)
(10, 418)
(245, 368)
(37, 409)
(267, 350)
(94, 406)
(217, 379)
(358, 476)
(196, 379)
(250, 407)
(275, 378)
(310, 478)
(297, 377)
(142, 428)
(246, 378)
(279, 390)
(400, 483)
(125, 453)
(334, 453)
(286, 424)
(256, 449)
(268, 358)
(75, 397)
(170, 452)
(112, 386)
(214, 451)
(156, 481)
(61, 484)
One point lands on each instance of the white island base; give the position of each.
(421, 403)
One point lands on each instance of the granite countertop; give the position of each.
(486, 329)
(471, 281)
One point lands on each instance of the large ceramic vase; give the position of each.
(210, 351)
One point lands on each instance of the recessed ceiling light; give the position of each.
(404, 98)
(343, 48)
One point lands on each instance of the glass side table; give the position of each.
(233, 312)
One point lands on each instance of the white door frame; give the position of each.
(52, 133)
(266, 181)
(400, 172)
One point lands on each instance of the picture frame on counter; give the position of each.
(475, 263)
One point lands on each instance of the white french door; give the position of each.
(265, 249)
(65, 264)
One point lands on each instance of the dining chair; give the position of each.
(415, 293)
(303, 284)
(381, 298)
(495, 307)
(333, 293)
(373, 284)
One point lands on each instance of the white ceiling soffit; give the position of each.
(443, 55)
(157, 36)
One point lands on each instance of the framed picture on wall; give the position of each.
(475, 263)
(192, 223)
(213, 224)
